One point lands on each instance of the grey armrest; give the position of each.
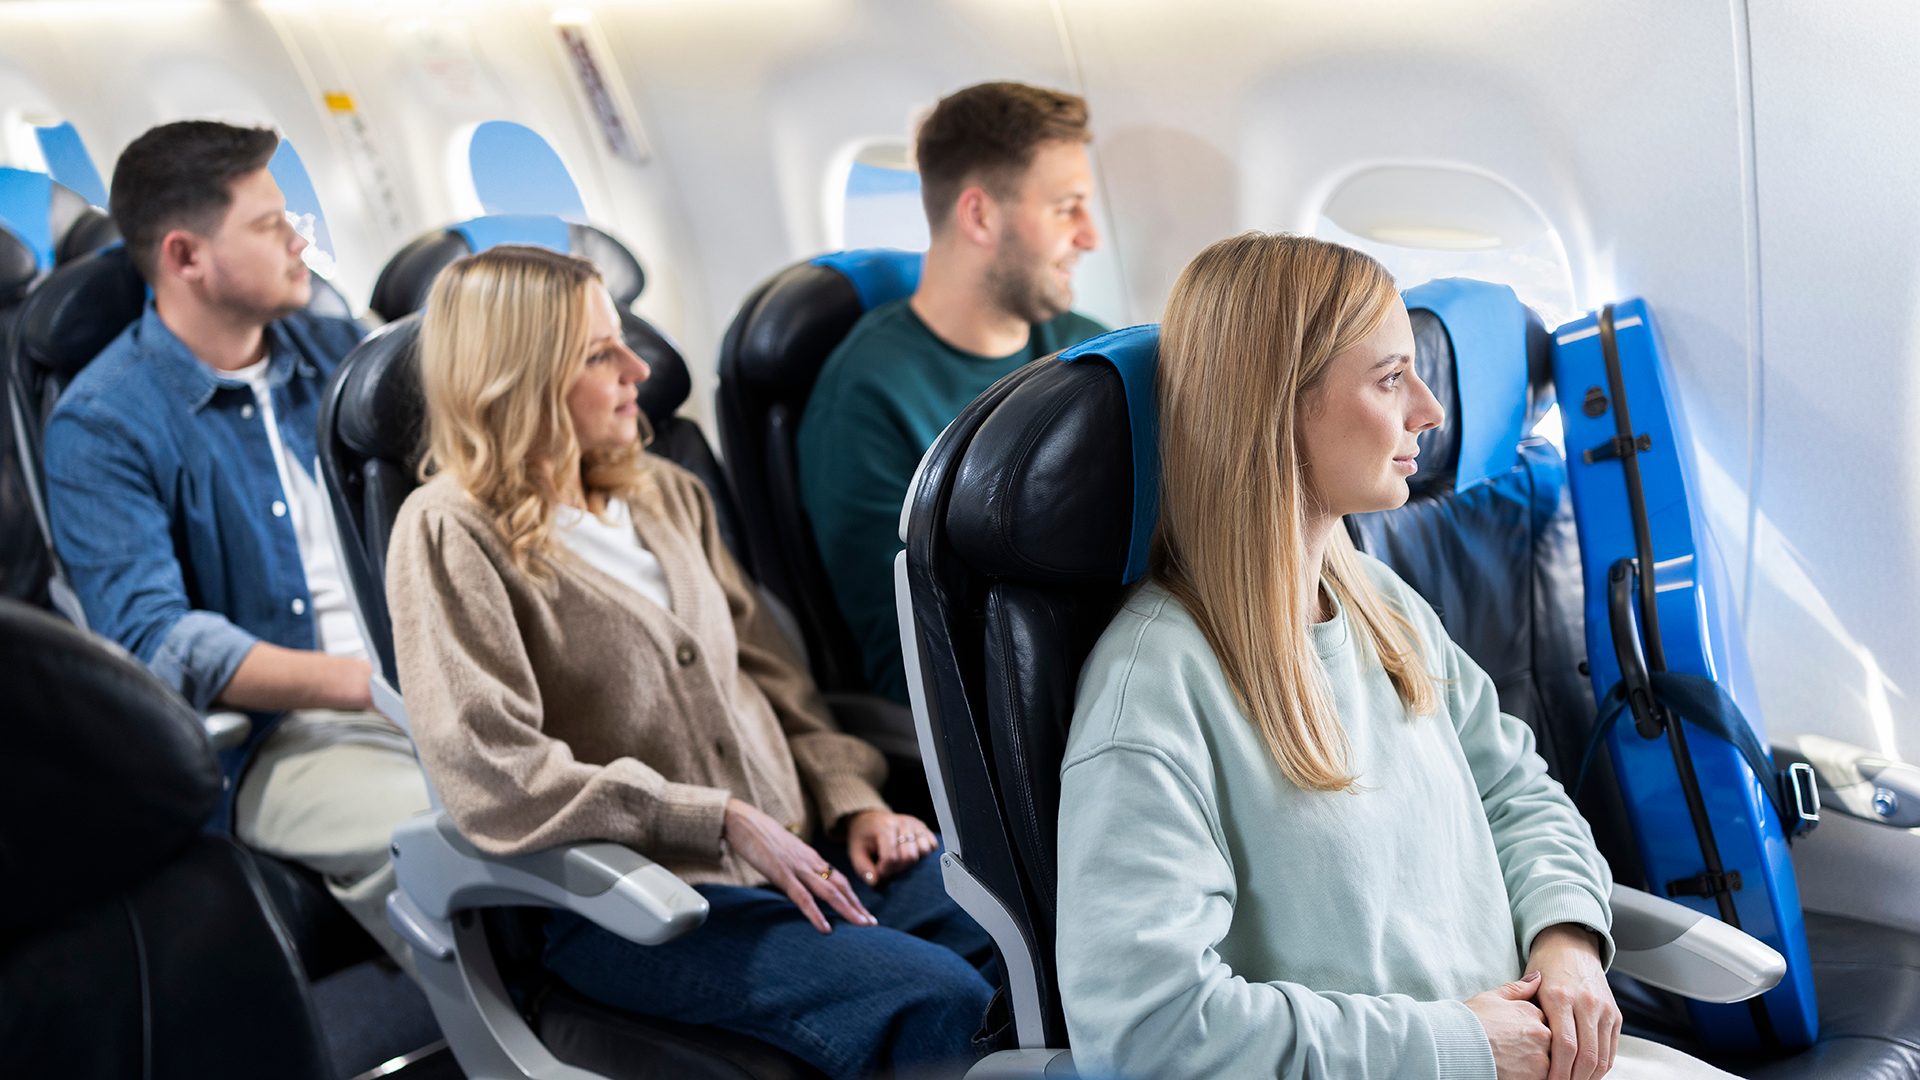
(226, 730)
(440, 873)
(1025, 1065)
(1676, 948)
(1858, 782)
(883, 723)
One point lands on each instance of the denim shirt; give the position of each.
(166, 505)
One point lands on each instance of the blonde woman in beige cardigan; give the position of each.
(584, 661)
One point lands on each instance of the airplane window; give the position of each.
(303, 203)
(1425, 222)
(515, 171)
(881, 206)
(68, 161)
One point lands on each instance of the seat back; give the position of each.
(371, 439)
(117, 896)
(769, 359)
(72, 315)
(53, 221)
(43, 224)
(1487, 533)
(407, 278)
(1033, 514)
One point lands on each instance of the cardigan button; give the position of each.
(685, 655)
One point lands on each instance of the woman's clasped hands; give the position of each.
(1560, 1021)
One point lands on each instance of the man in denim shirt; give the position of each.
(183, 492)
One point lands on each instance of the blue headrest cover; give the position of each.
(26, 208)
(538, 230)
(1134, 352)
(879, 275)
(1487, 326)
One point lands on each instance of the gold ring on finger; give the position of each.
(825, 872)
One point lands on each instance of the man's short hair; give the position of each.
(180, 175)
(986, 134)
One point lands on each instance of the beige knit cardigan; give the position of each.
(576, 709)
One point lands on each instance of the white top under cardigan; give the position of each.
(611, 546)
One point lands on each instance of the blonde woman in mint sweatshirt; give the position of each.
(1298, 837)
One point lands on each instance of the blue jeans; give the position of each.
(911, 992)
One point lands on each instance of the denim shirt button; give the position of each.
(246, 412)
(279, 508)
(299, 606)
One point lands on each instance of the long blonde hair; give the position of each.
(503, 338)
(1249, 330)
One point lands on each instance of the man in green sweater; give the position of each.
(1006, 182)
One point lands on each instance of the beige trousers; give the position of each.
(1639, 1059)
(325, 790)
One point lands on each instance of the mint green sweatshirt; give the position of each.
(1219, 921)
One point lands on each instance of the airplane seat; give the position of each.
(1487, 534)
(467, 914)
(117, 898)
(407, 278)
(24, 566)
(76, 312)
(54, 222)
(1029, 520)
(771, 355)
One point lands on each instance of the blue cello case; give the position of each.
(1715, 841)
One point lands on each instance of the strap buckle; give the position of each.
(1618, 447)
(1706, 884)
(1801, 790)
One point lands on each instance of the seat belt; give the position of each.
(1707, 705)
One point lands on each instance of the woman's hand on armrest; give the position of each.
(1576, 1001)
(792, 865)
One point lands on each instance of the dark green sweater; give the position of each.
(882, 398)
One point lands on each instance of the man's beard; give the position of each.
(1022, 285)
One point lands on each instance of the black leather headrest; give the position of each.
(618, 267)
(404, 283)
(79, 309)
(381, 409)
(78, 227)
(1044, 491)
(402, 286)
(785, 333)
(327, 298)
(110, 772)
(1440, 446)
(91, 230)
(669, 384)
(17, 268)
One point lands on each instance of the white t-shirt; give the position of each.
(335, 627)
(612, 547)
